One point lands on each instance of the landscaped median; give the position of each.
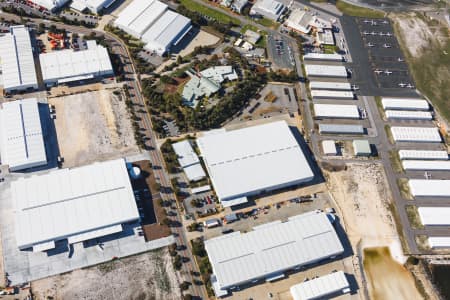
(209, 12)
(413, 217)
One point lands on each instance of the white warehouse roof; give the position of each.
(408, 115)
(423, 154)
(324, 94)
(329, 147)
(436, 242)
(336, 111)
(326, 71)
(341, 128)
(21, 141)
(328, 85)
(17, 62)
(94, 6)
(405, 104)
(50, 4)
(238, 257)
(246, 161)
(167, 30)
(69, 65)
(434, 215)
(139, 15)
(426, 165)
(271, 9)
(321, 287)
(429, 188)
(416, 134)
(69, 202)
(323, 56)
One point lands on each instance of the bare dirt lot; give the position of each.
(387, 278)
(93, 126)
(143, 277)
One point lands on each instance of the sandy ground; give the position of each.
(144, 277)
(93, 126)
(387, 278)
(416, 33)
(361, 193)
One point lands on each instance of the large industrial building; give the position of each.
(21, 140)
(16, 60)
(253, 160)
(67, 66)
(271, 249)
(154, 24)
(405, 104)
(323, 287)
(429, 187)
(188, 160)
(303, 21)
(72, 204)
(270, 9)
(426, 165)
(434, 216)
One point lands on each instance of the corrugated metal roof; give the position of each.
(361, 147)
(50, 4)
(137, 17)
(434, 215)
(329, 147)
(68, 202)
(405, 104)
(332, 94)
(239, 161)
(439, 242)
(426, 165)
(408, 115)
(429, 188)
(423, 154)
(328, 85)
(238, 257)
(336, 111)
(268, 8)
(323, 56)
(326, 70)
(17, 63)
(416, 134)
(194, 172)
(341, 128)
(186, 154)
(22, 143)
(320, 287)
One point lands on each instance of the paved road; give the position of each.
(145, 122)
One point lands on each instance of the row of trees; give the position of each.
(198, 19)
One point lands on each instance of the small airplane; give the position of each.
(387, 46)
(388, 34)
(400, 59)
(366, 32)
(370, 45)
(373, 23)
(355, 87)
(378, 71)
(380, 33)
(373, 33)
(367, 21)
(387, 72)
(385, 22)
(409, 86)
(401, 84)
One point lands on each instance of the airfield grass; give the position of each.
(357, 11)
(212, 13)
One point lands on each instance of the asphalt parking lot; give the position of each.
(378, 66)
(280, 52)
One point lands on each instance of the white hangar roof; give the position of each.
(69, 202)
(275, 247)
(416, 134)
(326, 70)
(16, 56)
(50, 4)
(405, 104)
(423, 154)
(245, 161)
(21, 141)
(436, 242)
(426, 165)
(429, 188)
(408, 115)
(137, 17)
(67, 64)
(434, 215)
(325, 94)
(323, 56)
(336, 111)
(321, 287)
(329, 85)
